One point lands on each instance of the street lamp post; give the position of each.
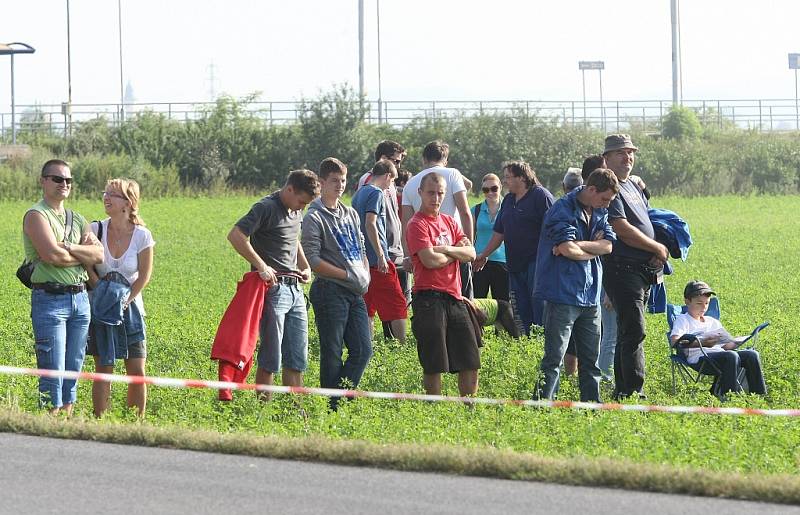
(13, 49)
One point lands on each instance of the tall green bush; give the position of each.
(681, 123)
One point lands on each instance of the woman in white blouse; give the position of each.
(128, 249)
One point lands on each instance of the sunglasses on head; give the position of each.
(493, 189)
(58, 179)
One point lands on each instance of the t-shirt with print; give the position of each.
(631, 204)
(454, 182)
(685, 324)
(370, 199)
(425, 232)
(273, 231)
(128, 263)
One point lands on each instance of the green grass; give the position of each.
(746, 248)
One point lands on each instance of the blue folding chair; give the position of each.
(687, 372)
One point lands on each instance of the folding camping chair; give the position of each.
(681, 367)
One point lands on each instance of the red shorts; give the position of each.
(385, 296)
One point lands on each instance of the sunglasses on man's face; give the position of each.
(59, 180)
(493, 189)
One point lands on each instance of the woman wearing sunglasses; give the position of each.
(117, 293)
(58, 242)
(494, 275)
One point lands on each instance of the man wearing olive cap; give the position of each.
(635, 263)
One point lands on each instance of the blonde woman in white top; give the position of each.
(128, 249)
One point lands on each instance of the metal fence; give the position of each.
(615, 115)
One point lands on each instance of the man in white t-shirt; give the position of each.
(434, 159)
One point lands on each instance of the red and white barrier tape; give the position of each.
(329, 392)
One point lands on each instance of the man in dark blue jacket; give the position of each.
(575, 233)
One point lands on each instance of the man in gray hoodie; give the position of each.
(334, 247)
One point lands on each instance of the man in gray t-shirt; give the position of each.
(267, 237)
(630, 268)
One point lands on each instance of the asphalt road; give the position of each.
(44, 475)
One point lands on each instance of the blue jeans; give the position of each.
(529, 309)
(60, 326)
(341, 318)
(583, 323)
(608, 342)
(284, 329)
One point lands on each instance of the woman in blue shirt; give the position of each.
(494, 275)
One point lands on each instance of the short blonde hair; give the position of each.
(130, 190)
(490, 176)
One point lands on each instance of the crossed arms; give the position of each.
(442, 255)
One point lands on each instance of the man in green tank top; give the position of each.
(61, 245)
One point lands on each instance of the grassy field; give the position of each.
(746, 248)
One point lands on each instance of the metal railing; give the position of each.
(614, 115)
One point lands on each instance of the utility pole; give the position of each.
(68, 107)
(212, 94)
(121, 87)
(361, 50)
(675, 55)
(380, 92)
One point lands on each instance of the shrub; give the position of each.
(681, 123)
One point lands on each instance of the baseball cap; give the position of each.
(696, 288)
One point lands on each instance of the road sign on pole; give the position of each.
(591, 65)
(794, 64)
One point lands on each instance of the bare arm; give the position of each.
(406, 213)
(371, 226)
(633, 237)
(241, 244)
(494, 242)
(90, 251)
(596, 247)
(302, 264)
(145, 272)
(463, 251)
(325, 269)
(431, 258)
(43, 240)
(697, 342)
(464, 212)
(570, 250)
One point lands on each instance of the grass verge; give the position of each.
(777, 488)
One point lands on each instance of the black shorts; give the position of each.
(445, 337)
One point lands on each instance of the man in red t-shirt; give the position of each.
(446, 339)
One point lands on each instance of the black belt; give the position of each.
(287, 279)
(624, 260)
(436, 294)
(59, 288)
